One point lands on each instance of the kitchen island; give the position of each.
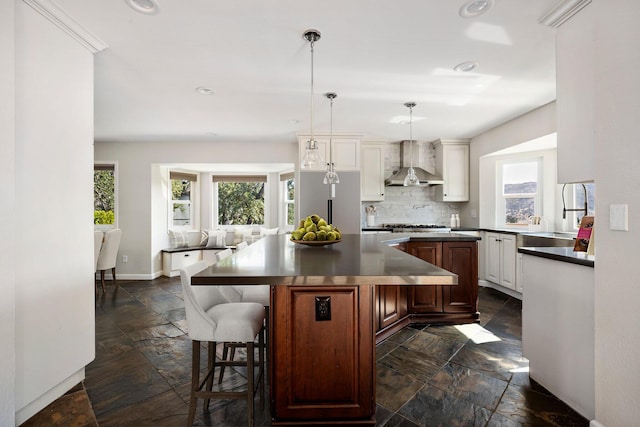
(322, 319)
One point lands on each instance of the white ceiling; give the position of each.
(376, 55)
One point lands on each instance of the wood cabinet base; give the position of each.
(322, 355)
(398, 306)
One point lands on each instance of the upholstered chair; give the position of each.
(109, 254)
(244, 293)
(97, 244)
(211, 319)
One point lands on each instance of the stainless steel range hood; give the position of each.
(426, 178)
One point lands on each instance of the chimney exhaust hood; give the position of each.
(426, 178)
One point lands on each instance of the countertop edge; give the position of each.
(548, 252)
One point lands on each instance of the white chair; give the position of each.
(109, 254)
(211, 319)
(97, 244)
(244, 293)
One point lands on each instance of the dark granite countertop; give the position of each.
(564, 254)
(427, 236)
(359, 259)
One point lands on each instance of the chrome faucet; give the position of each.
(585, 209)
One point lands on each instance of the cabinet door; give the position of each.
(372, 172)
(508, 254)
(426, 299)
(345, 151)
(575, 41)
(390, 304)
(322, 369)
(346, 154)
(461, 258)
(452, 161)
(493, 257)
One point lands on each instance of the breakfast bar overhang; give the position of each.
(322, 338)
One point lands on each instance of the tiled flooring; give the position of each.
(427, 375)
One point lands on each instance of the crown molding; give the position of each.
(56, 14)
(564, 10)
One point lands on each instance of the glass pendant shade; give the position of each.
(331, 177)
(312, 158)
(411, 180)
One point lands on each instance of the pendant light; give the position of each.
(312, 158)
(331, 177)
(411, 179)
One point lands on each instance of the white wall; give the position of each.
(7, 214)
(617, 290)
(142, 190)
(54, 296)
(537, 123)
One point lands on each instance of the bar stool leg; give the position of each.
(195, 380)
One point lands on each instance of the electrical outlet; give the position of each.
(125, 258)
(323, 308)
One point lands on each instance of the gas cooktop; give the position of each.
(403, 228)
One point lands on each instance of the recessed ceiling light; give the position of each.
(149, 7)
(475, 8)
(204, 90)
(465, 67)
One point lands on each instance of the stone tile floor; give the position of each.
(427, 375)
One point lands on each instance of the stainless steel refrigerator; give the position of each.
(314, 196)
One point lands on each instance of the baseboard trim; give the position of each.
(510, 292)
(120, 276)
(594, 423)
(32, 408)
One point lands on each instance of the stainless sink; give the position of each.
(547, 238)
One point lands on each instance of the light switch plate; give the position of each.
(618, 217)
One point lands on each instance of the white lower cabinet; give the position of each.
(173, 262)
(501, 256)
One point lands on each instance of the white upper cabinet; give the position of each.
(575, 97)
(452, 163)
(345, 150)
(372, 171)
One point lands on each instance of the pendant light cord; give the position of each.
(411, 135)
(331, 134)
(312, 142)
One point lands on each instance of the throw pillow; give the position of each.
(240, 233)
(268, 231)
(216, 239)
(204, 237)
(177, 239)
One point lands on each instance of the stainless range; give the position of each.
(416, 228)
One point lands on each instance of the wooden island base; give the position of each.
(323, 355)
(324, 315)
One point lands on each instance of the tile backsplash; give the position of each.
(415, 205)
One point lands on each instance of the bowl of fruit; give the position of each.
(315, 231)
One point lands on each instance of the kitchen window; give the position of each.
(519, 192)
(182, 200)
(287, 190)
(105, 195)
(239, 200)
